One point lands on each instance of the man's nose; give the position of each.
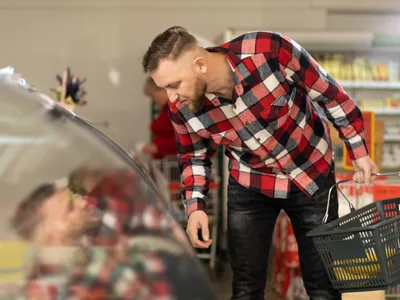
(172, 96)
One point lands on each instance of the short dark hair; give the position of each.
(26, 217)
(169, 44)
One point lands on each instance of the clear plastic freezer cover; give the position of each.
(80, 219)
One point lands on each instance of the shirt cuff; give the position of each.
(357, 150)
(194, 204)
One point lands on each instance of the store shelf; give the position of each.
(385, 111)
(385, 49)
(393, 85)
(392, 138)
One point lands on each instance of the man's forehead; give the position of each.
(167, 72)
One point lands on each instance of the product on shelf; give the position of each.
(380, 72)
(388, 103)
(361, 70)
(343, 68)
(368, 104)
(393, 101)
(391, 156)
(394, 69)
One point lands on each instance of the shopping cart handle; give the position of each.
(386, 174)
(325, 218)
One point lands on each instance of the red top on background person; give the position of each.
(164, 142)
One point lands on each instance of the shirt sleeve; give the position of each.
(300, 67)
(194, 158)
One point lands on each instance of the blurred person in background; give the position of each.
(164, 142)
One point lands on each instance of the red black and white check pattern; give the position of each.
(116, 269)
(271, 129)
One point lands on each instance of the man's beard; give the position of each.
(199, 97)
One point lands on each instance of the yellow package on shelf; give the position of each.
(367, 104)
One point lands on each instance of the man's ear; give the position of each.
(200, 64)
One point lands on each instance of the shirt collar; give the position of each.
(240, 71)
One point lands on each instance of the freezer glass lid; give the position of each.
(78, 215)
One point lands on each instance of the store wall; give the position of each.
(41, 37)
(367, 21)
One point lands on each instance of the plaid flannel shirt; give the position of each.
(271, 129)
(116, 268)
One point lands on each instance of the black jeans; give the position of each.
(251, 221)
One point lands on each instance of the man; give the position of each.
(253, 95)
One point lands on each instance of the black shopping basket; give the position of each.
(361, 250)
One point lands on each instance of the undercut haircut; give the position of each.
(169, 44)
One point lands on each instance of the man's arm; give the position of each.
(194, 157)
(339, 108)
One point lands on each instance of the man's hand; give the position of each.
(363, 168)
(198, 220)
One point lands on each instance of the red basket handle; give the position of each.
(325, 218)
